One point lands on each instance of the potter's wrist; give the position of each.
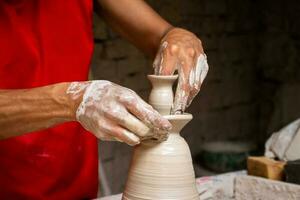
(81, 92)
(168, 30)
(64, 108)
(157, 40)
(176, 30)
(75, 92)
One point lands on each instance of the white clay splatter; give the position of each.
(76, 88)
(113, 112)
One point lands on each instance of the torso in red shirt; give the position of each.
(44, 42)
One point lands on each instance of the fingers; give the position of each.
(148, 115)
(203, 65)
(110, 131)
(135, 125)
(181, 95)
(183, 51)
(166, 59)
(170, 58)
(141, 117)
(133, 114)
(119, 115)
(184, 87)
(105, 136)
(157, 64)
(113, 112)
(191, 77)
(200, 71)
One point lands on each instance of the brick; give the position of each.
(131, 66)
(136, 82)
(215, 7)
(210, 42)
(99, 28)
(273, 58)
(169, 10)
(104, 69)
(223, 94)
(120, 49)
(233, 123)
(193, 8)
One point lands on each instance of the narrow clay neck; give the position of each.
(162, 81)
(162, 96)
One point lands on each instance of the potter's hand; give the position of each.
(112, 112)
(181, 50)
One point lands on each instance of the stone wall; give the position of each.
(253, 86)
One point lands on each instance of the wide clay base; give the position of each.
(163, 170)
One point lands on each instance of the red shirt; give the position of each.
(44, 42)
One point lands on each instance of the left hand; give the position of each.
(181, 50)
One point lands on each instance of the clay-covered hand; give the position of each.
(181, 50)
(112, 112)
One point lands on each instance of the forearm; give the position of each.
(135, 21)
(23, 111)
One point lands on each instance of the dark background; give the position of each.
(253, 85)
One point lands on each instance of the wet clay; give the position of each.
(162, 170)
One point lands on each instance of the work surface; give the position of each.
(207, 186)
(238, 185)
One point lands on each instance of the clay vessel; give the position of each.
(161, 96)
(162, 170)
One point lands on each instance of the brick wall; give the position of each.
(278, 62)
(253, 86)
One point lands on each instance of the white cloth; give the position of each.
(278, 143)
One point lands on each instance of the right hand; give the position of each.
(112, 112)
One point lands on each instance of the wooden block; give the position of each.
(292, 172)
(250, 187)
(266, 167)
(293, 151)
